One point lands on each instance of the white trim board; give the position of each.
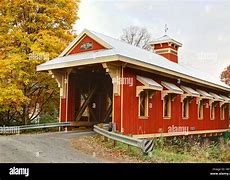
(179, 133)
(79, 37)
(111, 58)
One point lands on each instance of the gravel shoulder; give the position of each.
(90, 146)
(43, 148)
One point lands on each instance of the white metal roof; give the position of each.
(190, 91)
(149, 83)
(133, 54)
(216, 97)
(165, 39)
(204, 94)
(225, 98)
(172, 87)
(75, 59)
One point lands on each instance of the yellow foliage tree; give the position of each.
(31, 32)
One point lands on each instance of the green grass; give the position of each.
(119, 147)
(176, 150)
(167, 156)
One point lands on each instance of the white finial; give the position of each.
(166, 28)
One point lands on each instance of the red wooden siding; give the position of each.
(163, 46)
(117, 112)
(63, 110)
(170, 56)
(96, 45)
(71, 98)
(155, 122)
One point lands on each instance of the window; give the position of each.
(167, 106)
(143, 104)
(185, 108)
(200, 110)
(222, 112)
(212, 111)
(86, 46)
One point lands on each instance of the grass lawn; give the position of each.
(174, 150)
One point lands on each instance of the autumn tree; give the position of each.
(225, 75)
(31, 32)
(137, 36)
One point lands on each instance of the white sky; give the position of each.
(203, 27)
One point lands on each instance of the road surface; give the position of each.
(43, 148)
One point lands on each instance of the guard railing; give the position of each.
(145, 145)
(18, 129)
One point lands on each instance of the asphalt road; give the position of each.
(43, 148)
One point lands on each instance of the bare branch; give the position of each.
(42, 105)
(136, 36)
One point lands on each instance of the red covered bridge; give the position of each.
(142, 93)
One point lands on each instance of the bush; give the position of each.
(47, 118)
(227, 135)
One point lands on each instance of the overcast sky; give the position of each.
(203, 27)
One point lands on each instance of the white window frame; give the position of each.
(213, 113)
(222, 112)
(169, 106)
(146, 105)
(186, 103)
(200, 103)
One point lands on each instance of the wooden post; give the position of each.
(114, 143)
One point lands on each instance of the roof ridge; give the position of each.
(163, 59)
(120, 41)
(138, 54)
